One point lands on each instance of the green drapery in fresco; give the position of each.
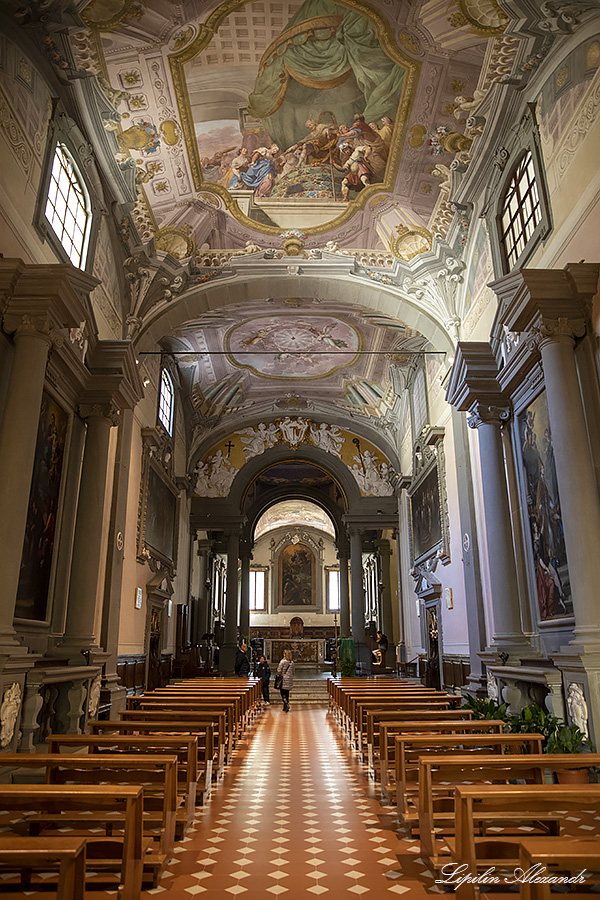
(328, 59)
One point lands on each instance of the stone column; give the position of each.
(357, 603)
(508, 633)
(342, 554)
(113, 587)
(577, 486)
(473, 387)
(387, 620)
(227, 652)
(201, 622)
(246, 557)
(18, 437)
(476, 627)
(86, 566)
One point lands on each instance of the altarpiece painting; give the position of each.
(543, 511)
(297, 575)
(38, 547)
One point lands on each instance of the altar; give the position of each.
(305, 651)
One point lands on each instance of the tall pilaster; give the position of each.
(357, 602)
(227, 652)
(508, 633)
(474, 388)
(342, 554)
(18, 437)
(113, 586)
(201, 621)
(387, 621)
(86, 565)
(246, 558)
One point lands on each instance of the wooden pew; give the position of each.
(103, 798)
(390, 730)
(169, 703)
(556, 854)
(156, 774)
(409, 747)
(439, 775)
(376, 717)
(67, 854)
(195, 787)
(508, 805)
(209, 730)
(363, 705)
(248, 692)
(221, 720)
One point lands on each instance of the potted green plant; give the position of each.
(570, 739)
(484, 708)
(534, 720)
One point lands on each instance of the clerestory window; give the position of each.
(166, 402)
(68, 208)
(521, 210)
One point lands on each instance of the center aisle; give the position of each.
(295, 816)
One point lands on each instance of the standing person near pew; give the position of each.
(263, 671)
(242, 663)
(286, 670)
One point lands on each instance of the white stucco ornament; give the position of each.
(94, 696)
(11, 704)
(577, 706)
(492, 688)
(373, 478)
(327, 437)
(257, 440)
(214, 478)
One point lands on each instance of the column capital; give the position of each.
(485, 414)
(56, 292)
(99, 409)
(474, 377)
(113, 367)
(547, 330)
(528, 295)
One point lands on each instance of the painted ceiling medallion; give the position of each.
(293, 346)
(309, 144)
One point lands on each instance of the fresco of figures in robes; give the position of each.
(543, 510)
(320, 111)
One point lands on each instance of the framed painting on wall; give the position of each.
(38, 546)
(297, 575)
(157, 527)
(426, 515)
(543, 511)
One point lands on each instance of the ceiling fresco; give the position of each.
(319, 107)
(292, 346)
(307, 354)
(294, 512)
(256, 119)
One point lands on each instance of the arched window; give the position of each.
(68, 208)
(521, 211)
(166, 402)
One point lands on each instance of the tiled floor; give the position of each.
(296, 816)
(293, 818)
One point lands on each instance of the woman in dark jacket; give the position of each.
(286, 670)
(263, 671)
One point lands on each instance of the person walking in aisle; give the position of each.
(286, 670)
(263, 671)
